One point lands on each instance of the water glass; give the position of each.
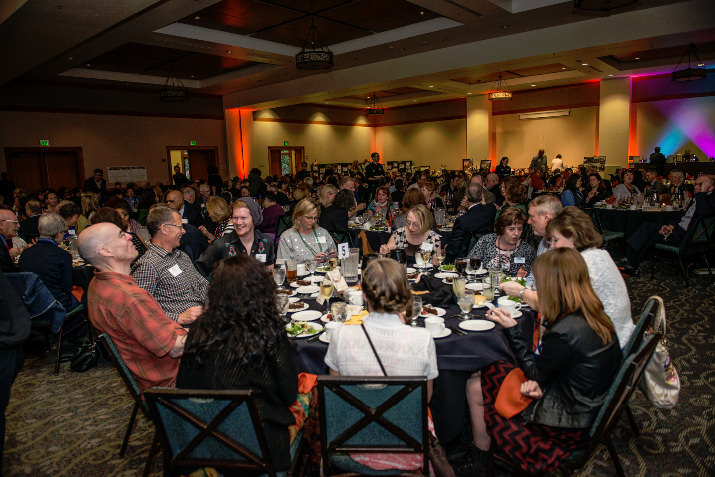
(339, 311)
(279, 274)
(466, 302)
(350, 265)
(282, 302)
(416, 309)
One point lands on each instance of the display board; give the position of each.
(126, 174)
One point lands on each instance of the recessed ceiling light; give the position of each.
(637, 57)
(88, 65)
(468, 94)
(228, 51)
(701, 64)
(563, 68)
(422, 13)
(584, 64)
(610, 75)
(414, 100)
(533, 85)
(431, 86)
(197, 17)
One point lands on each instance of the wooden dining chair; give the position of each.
(371, 415)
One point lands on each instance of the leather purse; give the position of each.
(660, 382)
(510, 401)
(86, 358)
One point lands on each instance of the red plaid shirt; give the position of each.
(141, 331)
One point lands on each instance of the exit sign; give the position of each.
(44, 142)
(285, 143)
(192, 143)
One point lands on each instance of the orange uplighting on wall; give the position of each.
(633, 131)
(239, 144)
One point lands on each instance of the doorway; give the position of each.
(284, 160)
(37, 169)
(193, 161)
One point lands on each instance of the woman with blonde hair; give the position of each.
(417, 234)
(306, 240)
(219, 212)
(326, 195)
(567, 382)
(90, 205)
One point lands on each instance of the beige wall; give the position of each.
(112, 140)
(429, 143)
(614, 121)
(676, 124)
(571, 136)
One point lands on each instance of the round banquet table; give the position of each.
(628, 221)
(380, 237)
(458, 356)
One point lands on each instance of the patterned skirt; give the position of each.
(533, 447)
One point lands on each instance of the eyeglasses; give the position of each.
(10, 220)
(310, 219)
(174, 225)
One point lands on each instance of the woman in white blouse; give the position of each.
(626, 189)
(306, 241)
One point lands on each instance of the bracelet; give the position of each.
(521, 294)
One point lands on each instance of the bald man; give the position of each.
(149, 342)
(189, 214)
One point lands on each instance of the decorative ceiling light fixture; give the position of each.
(689, 74)
(601, 6)
(374, 106)
(173, 90)
(499, 91)
(314, 55)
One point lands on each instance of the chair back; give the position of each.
(342, 237)
(373, 414)
(210, 428)
(650, 310)
(699, 235)
(124, 372)
(623, 386)
(284, 223)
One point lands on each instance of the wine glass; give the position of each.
(279, 274)
(282, 302)
(458, 286)
(466, 303)
(440, 254)
(460, 265)
(475, 263)
(416, 309)
(426, 256)
(326, 291)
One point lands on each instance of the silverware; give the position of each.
(314, 338)
(457, 330)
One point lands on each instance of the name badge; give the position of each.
(521, 260)
(261, 257)
(321, 240)
(184, 221)
(175, 270)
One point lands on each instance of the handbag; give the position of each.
(437, 456)
(86, 358)
(510, 401)
(660, 382)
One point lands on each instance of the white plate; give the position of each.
(307, 315)
(293, 293)
(474, 286)
(324, 338)
(322, 269)
(307, 290)
(440, 312)
(446, 275)
(314, 278)
(477, 325)
(316, 326)
(410, 270)
(446, 282)
(446, 332)
(298, 310)
(293, 299)
(325, 319)
(297, 285)
(517, 314)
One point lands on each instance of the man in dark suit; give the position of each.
(494, 187)
(652, 233)
(657, 161)
(478, 218)
(96, 184)
(28, 227)
(8, 229)
(653, 184)
(189, 214)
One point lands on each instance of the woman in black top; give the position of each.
(334, 218)
(240, 343)
(503, 169)
(596, 191)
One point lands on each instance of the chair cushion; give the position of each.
(609, 235)
(667, 248)
(346, 464)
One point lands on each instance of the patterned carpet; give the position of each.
(72, 424)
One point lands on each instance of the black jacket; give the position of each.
(479, 218)
(54, 267)
(575, 371)
(192, 214)
(334, 219)
(28, 228)
(7, 264)
(230, 245)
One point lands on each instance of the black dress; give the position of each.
(334, 219)
(274, 380)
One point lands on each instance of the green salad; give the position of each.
(518, 280)
(300, 327)
(447, 267)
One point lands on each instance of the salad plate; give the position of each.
(302, 329)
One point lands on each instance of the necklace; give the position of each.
(306, 244)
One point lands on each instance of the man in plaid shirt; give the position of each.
(149, 342)
(166, 271)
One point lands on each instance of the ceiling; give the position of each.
(405, 51)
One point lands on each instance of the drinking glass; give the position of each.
(291, 270)
(475, 263)
(495, 275)
(339, 311)
(282, 305)
(458, 286)
(466, 302)
(416, 309)
(460, 265)
(279, 274)
(310, 267)
(426, 257)
(440, 254)
(326, 291)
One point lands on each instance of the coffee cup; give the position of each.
(301, 269)
(330, 328)
(509, 305)
(434, 325)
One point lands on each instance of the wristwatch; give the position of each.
(521, 294)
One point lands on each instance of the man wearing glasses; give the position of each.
(168, 273)
(9, 225)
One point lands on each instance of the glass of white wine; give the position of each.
(440, 254)
(426, 257)
(326, 291)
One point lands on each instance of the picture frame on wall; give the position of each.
(485, 165)
(467, 165)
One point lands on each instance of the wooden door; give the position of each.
(199, 161)
(275, 162)
(62, 169)
(25, 170)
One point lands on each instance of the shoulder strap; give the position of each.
(660, 316)
(373, 349)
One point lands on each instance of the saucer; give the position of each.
(446, 332)
(324, 338)
(477, 325)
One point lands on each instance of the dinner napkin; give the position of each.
(357, 319)
(434, 292)
(306, 382)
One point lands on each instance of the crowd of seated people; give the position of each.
(171, 262)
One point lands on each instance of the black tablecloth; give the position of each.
(457, 357)
(376, 238)
(628, 221)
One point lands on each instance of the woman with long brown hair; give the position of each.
(568, 380)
